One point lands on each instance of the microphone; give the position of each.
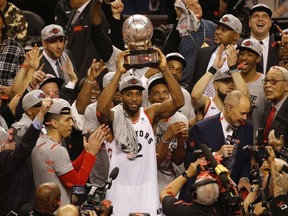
(113, 175)
(220, 170)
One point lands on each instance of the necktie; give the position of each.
(269, 121)
(75, 18)
(260, 66)
(59, 70)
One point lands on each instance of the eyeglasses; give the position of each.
(271, 81)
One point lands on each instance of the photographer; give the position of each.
(280, 186)
(205, 193)
(275, 186)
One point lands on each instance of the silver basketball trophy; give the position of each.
(137, 32)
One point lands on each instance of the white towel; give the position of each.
(124, 132)
(188, 22)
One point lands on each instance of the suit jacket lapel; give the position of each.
(219, 130)
(281, 112)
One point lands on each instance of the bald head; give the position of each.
(47, 197)
(235, 97)
(237, 106)
(68, 210)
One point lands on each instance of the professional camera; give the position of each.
(258, 151)
(94, 199)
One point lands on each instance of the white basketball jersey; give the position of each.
(212, 109)
(136, 188)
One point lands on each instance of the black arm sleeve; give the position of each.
(102, 42)
(6, 113)
(14, 160)
(173, 40)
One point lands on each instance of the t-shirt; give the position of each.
(50, 160)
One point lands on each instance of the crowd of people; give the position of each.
(202, 132)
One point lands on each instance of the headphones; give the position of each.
(193, 187)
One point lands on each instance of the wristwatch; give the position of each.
(184, 174)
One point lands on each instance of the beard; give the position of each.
(222, 95)
(129, 111)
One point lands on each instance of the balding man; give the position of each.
(68, 210)
(216, 133)
(47, 198)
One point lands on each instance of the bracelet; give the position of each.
(213, 69)
(30, 85)
(165, 141)
(89, 81)
(184, 174)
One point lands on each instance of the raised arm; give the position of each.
(14, 160)
(103, 112)
(24, 75)
(239, 82)
(83, 99)
(174, 187)
(199, 100)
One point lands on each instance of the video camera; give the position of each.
(94, 199)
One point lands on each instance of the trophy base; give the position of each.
(141, 59)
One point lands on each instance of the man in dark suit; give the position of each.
(275, 87)
(260, 23)
(216, 131)
(78, 39)
(227, 32)
(57, 61)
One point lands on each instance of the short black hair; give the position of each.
(156, 82)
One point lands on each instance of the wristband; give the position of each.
(165, 141)
(213, 70)
(184, 174)
(89, 81)
(233, 69)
